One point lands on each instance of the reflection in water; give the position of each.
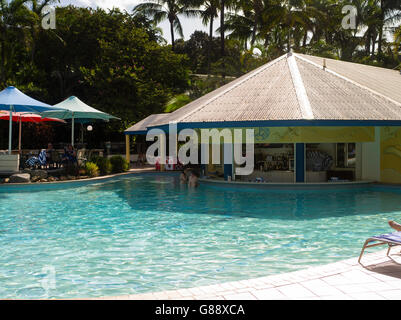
(167, 194)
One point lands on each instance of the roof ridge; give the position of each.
(300, 90)
(347, 79)
(246, 78)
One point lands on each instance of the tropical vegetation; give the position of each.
(119, 62)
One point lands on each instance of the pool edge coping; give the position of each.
(289, 184)
(110, 176)
(254, 288)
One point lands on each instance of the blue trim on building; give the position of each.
(278, 123)
(136, 132)
(299, 162)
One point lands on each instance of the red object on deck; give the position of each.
(158, 165)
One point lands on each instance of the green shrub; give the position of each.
(119, 164)
(91, 169)
(103, 164)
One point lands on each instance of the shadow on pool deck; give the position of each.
(390, 268)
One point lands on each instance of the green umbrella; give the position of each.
(73, 108)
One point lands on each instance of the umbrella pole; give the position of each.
(72, 130)
(19, 135)
(10, 130)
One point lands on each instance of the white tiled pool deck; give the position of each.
(379, 279)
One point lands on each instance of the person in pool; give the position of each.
(395, 225)
(183, 177)
(193, 180)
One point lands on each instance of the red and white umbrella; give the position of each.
(25, 117)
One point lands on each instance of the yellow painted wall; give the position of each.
(390, 154)
(390, 170)
(314, 134)
(310, 134)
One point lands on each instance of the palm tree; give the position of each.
(224, 4)
(397, 40)
(376, 15)
(246, 21)
(160, 10)
(208, 14)
(369, 16)
(222, 27)
(241, 27)
(255, 11)
(388, 14)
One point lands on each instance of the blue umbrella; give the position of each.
(13, 100)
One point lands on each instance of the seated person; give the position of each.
(70, 155)
(49, 153)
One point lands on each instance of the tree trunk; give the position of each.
(209, 48)
(374, 37)
(368, 42)
(255, 29)
(222, 39)
(172, 35)
(379, 47)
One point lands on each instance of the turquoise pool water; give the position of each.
(142, 233)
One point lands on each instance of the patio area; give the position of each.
(379, 279)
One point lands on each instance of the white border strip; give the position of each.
(303, 99)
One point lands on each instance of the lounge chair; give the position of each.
(390, 239)
(82, 156)
(39, 161)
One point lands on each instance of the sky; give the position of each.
(188, 25)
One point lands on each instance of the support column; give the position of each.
(72, 129)
(210, 165)
(163, 155)
(228, 160)
(127, 149)
(299, 162)
(10, 131)
(19, 135)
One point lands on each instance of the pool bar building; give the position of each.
(315, 120)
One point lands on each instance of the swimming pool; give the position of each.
(142, 233)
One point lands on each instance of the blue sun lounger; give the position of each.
(391, 239)
(37, 161)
